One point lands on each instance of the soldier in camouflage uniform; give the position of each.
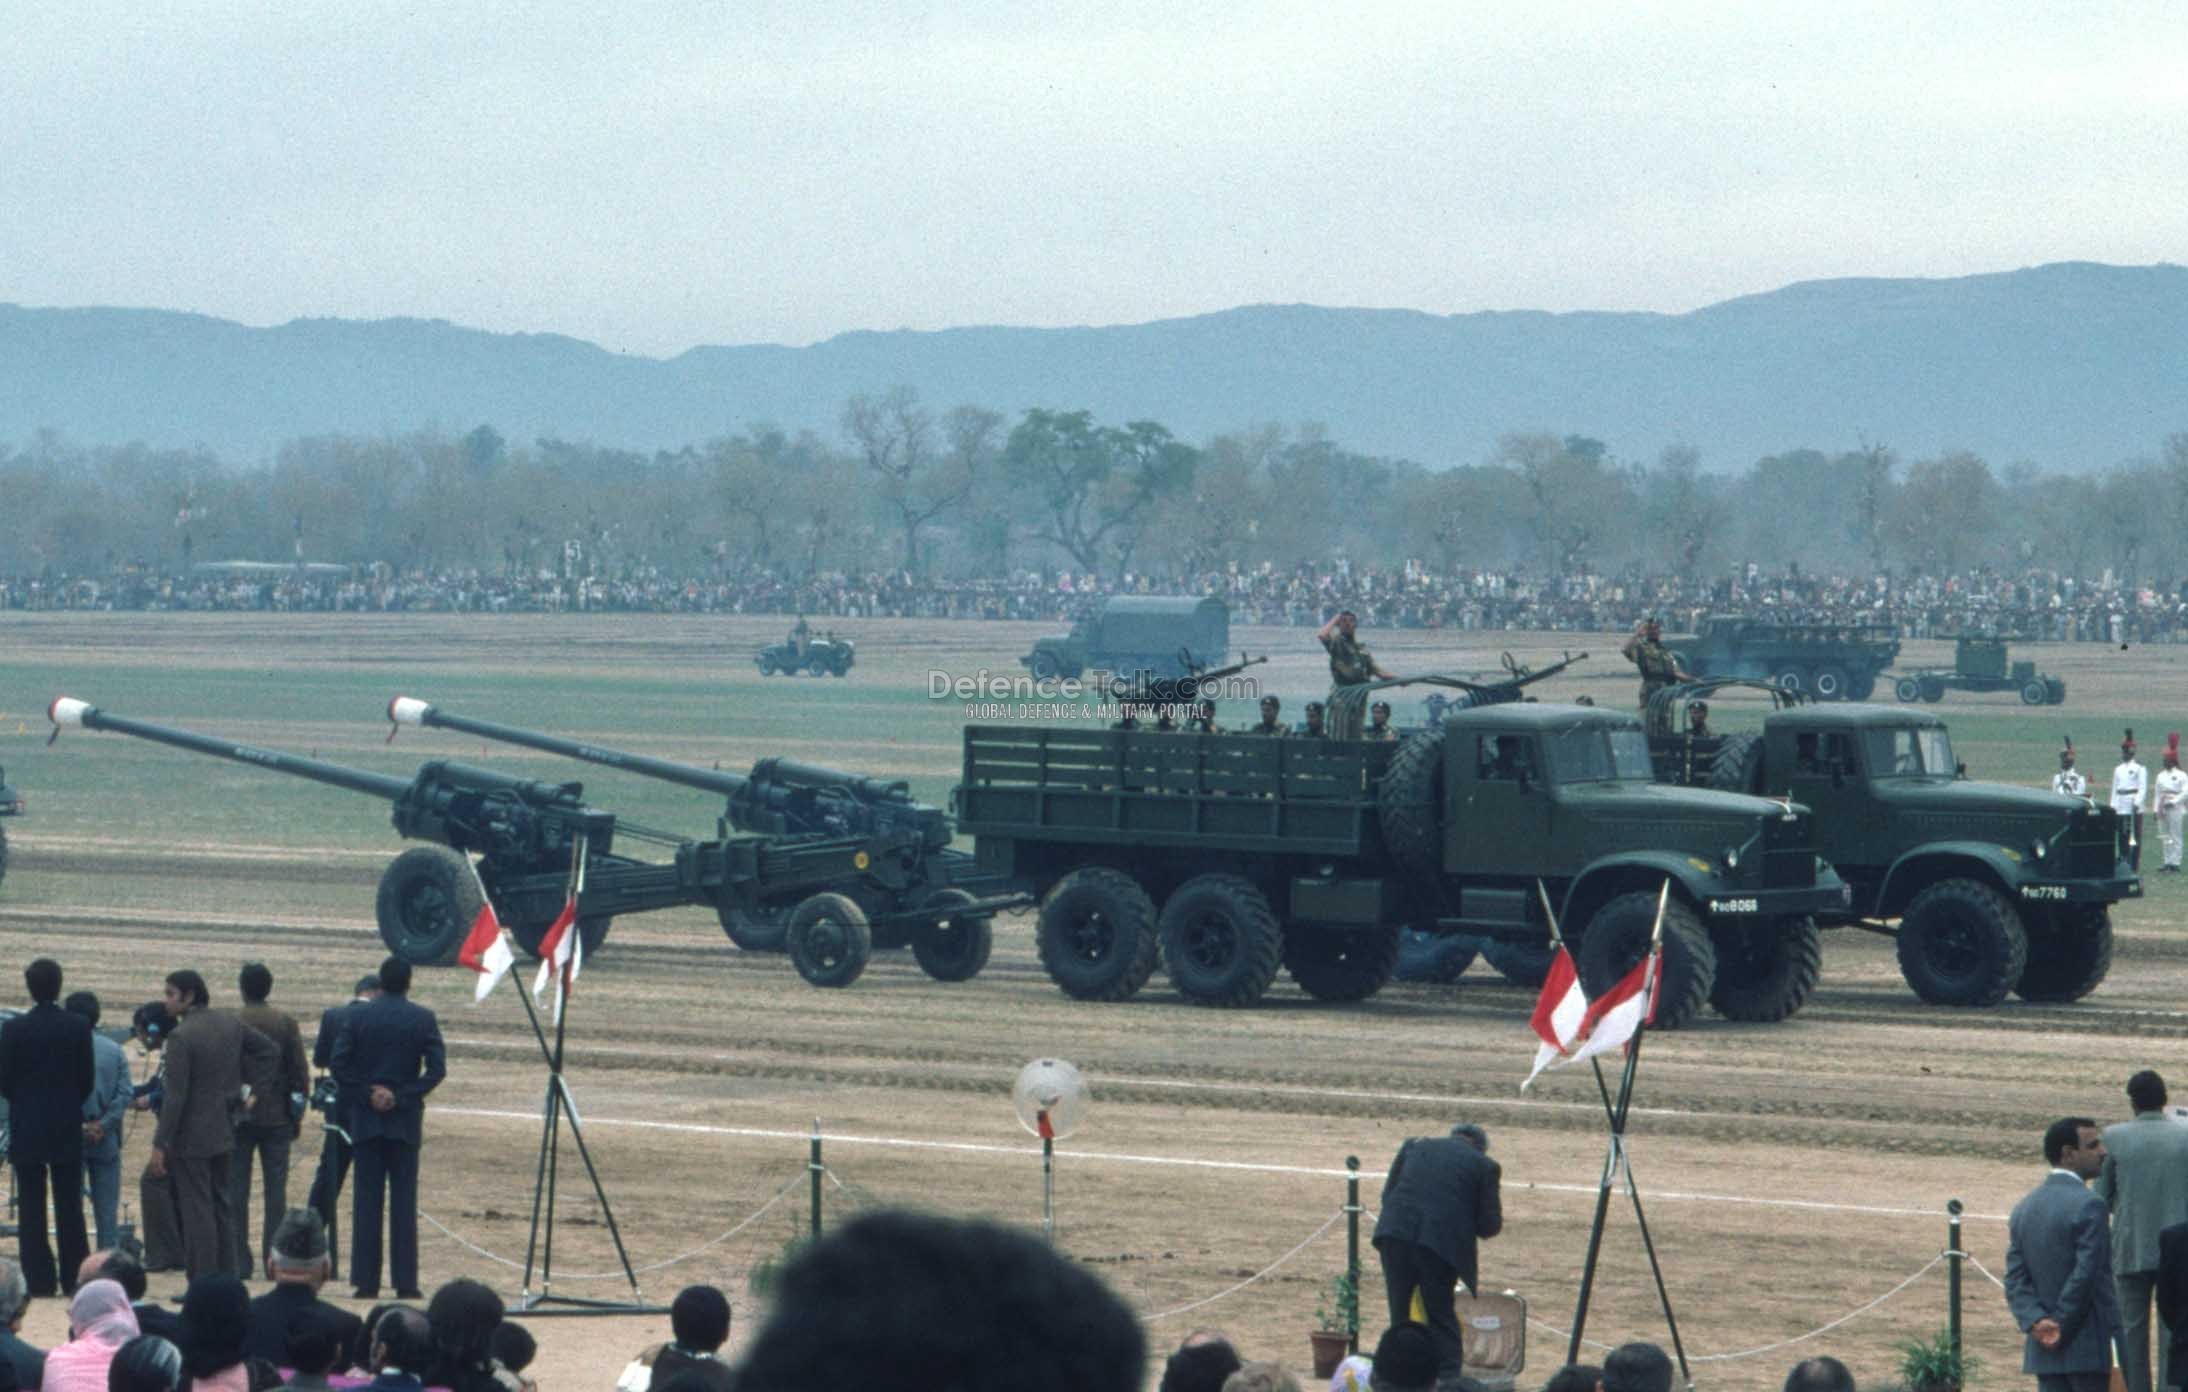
(1379, 723)
(1350, 665)
(1646, 650)
(1313, 728)
(1271, 723)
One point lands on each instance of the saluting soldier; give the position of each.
(1646, 650)
(1350, 664)
(1271, 722)
(1378, 727)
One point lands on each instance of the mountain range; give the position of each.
(2072, 365)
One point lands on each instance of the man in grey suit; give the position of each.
(2144, 1183)
(197, 1126)
(103, 1113)
(1440, 1200)
(2059, 1267)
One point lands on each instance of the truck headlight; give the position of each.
(1732, 857)
(2038, 849)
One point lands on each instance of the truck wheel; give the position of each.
(2032, 694)
(1045, 667)
(2054, 692)
(1738, 767)
(1790, 679)
(1436, 959)
(1220, 942)
(1522, 964)
(427, 900)
(2067, 957)
(1340, 964)
(955, 946)
(755, 930)
(1961, 943)
(841, 667)
(1618, 937)
(1765, 967)
(1096, 935)
(592, 933)
(1933, 690)
(828, 940)
(1409, 803)
(1830, 684)
(1907, 689)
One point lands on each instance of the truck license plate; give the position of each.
(1734, 906)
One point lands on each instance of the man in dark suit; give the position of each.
(196, 1132)
(47, 1069)
(296, 1259)
(390, 1055)
(272, 1122)
(334, 1149)
(1440, 1200)
(2173, 1295)
(2059, 1266)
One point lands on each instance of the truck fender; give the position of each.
(1983, 860)
(1692, 877)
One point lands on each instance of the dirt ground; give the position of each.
(1794, 1173)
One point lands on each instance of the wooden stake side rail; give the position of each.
(1238, 792)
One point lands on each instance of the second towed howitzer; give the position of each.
(901, 890)
(528, 834)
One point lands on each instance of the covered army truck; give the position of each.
(1227, 857)
(1990, 888)
(1158, 635)
(1830, 661)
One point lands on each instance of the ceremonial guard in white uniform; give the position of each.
(2130, 784)
(2171, 803)
(2069, 779)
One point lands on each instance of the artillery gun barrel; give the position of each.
(67, 711)
(406, 710)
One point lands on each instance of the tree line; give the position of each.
(969, 492)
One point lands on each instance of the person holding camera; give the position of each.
(274, 1119)
(150, 1025)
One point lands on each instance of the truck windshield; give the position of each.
(1599, 755)
(1910, 751)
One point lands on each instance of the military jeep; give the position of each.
(829, 656)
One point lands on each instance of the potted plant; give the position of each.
(1935, 1366)
(1334, 1321)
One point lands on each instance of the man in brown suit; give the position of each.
(275, 1118)
(205, 1058)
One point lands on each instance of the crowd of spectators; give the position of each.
(2036, 604)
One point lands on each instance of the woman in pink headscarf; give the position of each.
(100, 1321)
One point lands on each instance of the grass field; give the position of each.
(1874, 1109)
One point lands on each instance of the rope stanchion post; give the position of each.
(1953, 1250)
(1352, 1250)
(816, 1169)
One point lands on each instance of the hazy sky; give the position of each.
(658, 175)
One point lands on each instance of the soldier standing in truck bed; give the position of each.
(1271, 719)
(1379, 723)
(1646, 650)
(1350, 664)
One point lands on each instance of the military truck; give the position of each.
(1995, 889)
(11, 805)
(1980, 664)
(1227, 857)
(1151, 635)
(1832, 662)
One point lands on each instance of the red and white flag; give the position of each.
(557, 946)
(487, 951)
(1573, 1028)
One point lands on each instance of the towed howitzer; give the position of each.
(528, 834)
(788, 797)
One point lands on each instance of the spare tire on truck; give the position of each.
(1409, 803)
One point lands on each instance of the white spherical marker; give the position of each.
(1051, 1100)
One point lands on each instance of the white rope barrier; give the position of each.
(662, 1265)
(1262, 1274)
(1969, 1258)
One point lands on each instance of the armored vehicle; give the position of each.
(11, 805)
(826, 655)
(1227, 856)
(541, 846)
(1980, 664)
(1154, 635)
(1832, 662)
(1995, 888)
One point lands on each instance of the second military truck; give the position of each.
(1996, 889)
(1830, 661)
(1229, 856)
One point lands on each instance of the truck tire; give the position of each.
(1830, 683)
(1618, 937)
(1096, 935)
(755, 930)
(1045, 667)
(2054, 692)
(2032, 694)
(1409, 803)
(828, 940)
(1738, 767)
(1340, 964)
(428, 897)
(2068, 957)
(1861, 686)
(1220, 942)
(1907, 689)
(955, 946)
(1961, 943)
(841, 667)
(1765, 967)
(1790, 679)
(1933, 690)
(1522, 964)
